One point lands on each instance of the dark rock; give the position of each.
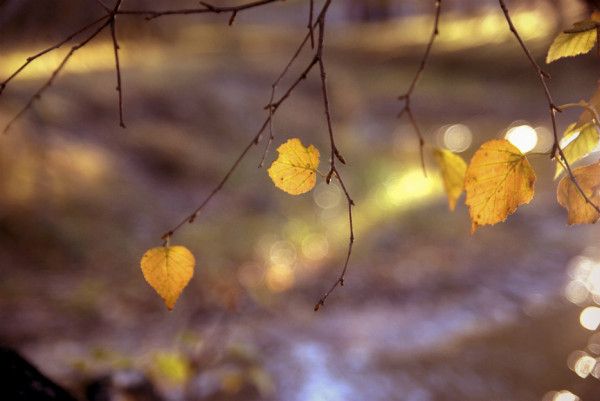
(21, 381)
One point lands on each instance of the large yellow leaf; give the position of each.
(498, 180)
(453, 169)
(295, 170)
(168, 269)
(571, 44)
(586, 140)
(581, 212)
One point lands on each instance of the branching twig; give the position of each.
(206, 8)
(272, 109)
(113, 33)
(107, 20)
(543, 77)
(334, 155)
(406, 97)
(30, 59)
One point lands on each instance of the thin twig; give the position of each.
(274, 106)
(310, 26)
(274, 85)
(543, 77)
(119, 88)
(406, 97)
(335, 155)
(30, 59)
(37, 95)
(206, 8)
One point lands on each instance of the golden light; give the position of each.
(408, 187)
(584, 366)
(280, 278)
(458, 137)
(327, 196)
(590, 317)
(524, 137)
(283, 253)
(576, 292)
(565, 395)
(315, 247)
(545, 139)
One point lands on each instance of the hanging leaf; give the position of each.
(569, 197)
(585, 141)
(571, 44)
(168, 269)
(295, 170)
(453, 169)
(498, 180)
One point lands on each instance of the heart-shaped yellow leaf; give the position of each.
(168, 269)
(569, 197)
(453, 169)
(295, 170)
(498, 180)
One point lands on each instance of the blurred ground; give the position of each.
(428, 312)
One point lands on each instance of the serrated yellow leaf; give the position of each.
(586, 140)
(498, 180)
(453, 169)
(571, 44)
(168, 269)
(569, 197)
(295, 170)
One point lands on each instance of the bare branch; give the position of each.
(206, 8)
(30, 59)
(119, 88)
(335, 155)
(406, 97)
(543, 77)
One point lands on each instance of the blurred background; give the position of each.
(428, 311)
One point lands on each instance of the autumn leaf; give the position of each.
(498, 180)
(453, 169)
(569, 197)
(585, 141)
(168, 269)
(572, 43)
(295, 170)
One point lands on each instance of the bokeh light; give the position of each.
(590, 317)
(457, 137)
(524, 137)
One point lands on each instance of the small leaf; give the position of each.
(569, 197)
(168, 269)
(453, 169)
(295, 170)
(571, 44)
(498, 180)
(586, 140)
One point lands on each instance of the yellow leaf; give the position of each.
(172, 366)
(295, 170)
(586, 140)
(569, 197)
(168, 269)
(498, 180)
(453, 169)
(571, 44)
